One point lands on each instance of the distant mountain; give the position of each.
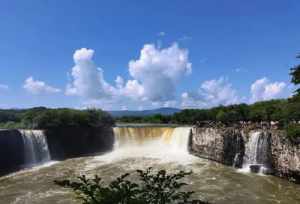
(162, 111)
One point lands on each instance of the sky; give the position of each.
(135, 55)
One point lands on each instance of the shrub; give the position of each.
(293, 133)
(152, 188)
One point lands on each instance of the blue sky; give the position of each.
(196, 53)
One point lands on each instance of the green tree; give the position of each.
(152, 188)
(221, 116)
(295, 73)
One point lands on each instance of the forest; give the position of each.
(45, 118)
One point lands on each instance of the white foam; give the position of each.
(32, 169)
(162, 150)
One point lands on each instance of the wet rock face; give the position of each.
(255, 168)
(285, 157)
(222, 145)
(74, 142)
(17, 149)
(227, 146)
(11, 151)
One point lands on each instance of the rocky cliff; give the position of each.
(285, 156)
(74, 142)
(222, 145)
(25, 148)
(11, 151)
(268, 150)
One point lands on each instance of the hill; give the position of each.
(162, 111)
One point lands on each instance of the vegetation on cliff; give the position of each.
(44, 118)
(151, 188)
(295, 74)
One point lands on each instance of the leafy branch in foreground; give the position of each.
(152, 188)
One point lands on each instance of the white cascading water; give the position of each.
(36, 149)
(180, 138)
(163, 144)
(256, 158)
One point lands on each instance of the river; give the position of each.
(140, 148)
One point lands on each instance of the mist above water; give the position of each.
(256, 158)
(163, 144)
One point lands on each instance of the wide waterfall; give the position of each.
(173, 138)
(161, 144)
(257, 158)
(35, 147)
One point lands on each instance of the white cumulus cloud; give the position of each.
(211, 93)
(119, 82)
(159, 71)
(38, 87)
(133, 89)
(263, 89)
(154, 77)
(87, 78)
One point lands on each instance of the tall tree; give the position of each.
(295, 73)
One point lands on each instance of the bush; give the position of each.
(12, 125)
(293, 133)
(152, 188)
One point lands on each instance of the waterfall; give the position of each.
(132, 136)
(257, 153)
(154, 144)
(163, 144)
(179, 138)
(35, 147)
(174, 138)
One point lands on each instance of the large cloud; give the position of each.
(211, 93)
(159, 70)
(154, 76)
(87, 79)
(263, 89)
(38, 87)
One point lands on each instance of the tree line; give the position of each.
(274, 110)
(45, 118)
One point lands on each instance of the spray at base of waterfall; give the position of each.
(32, 169)
(256, 158)
(171, 146)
